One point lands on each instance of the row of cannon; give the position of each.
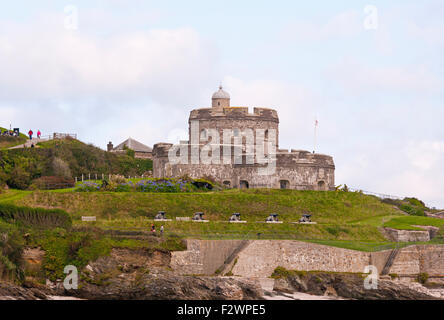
(235, 217)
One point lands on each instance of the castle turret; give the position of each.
(220, 99)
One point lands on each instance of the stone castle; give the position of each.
(292, 169)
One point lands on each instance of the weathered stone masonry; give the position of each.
(295, 169)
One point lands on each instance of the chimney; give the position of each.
(110, 146)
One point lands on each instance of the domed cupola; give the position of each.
(220, 99)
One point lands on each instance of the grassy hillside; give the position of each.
(340, 216)
(254, 204)
(8, 142)
(66, 158)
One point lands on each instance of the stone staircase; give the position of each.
(229, 262)
(389, 262)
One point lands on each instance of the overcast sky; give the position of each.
(136, 68)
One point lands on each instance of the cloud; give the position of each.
(358, 77)
(343, 25)
(136, 83)
(296, 105)
(162, 65)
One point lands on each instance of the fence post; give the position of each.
(103, 176)
(96, 176)
(82, 177)
(76, 179)
(89, 176)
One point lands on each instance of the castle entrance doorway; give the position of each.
(244, 184)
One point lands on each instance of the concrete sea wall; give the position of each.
(259, 258)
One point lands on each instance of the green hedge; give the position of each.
(35, 216)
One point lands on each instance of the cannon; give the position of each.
(272, 218)
(305, 218)
(198, 216)
(235, 217)
(161, 215)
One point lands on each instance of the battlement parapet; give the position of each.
(303, 157)
(263, 114)
(160, 150)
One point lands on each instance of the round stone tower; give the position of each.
(220, 99)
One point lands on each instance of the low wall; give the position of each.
(407, 235)
(260, 257)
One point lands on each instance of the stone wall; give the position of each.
(301, 169)
(420, 259)
(203, 256)
(295, 169)
(407, 235)
(260, 257)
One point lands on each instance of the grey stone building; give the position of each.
(292, 169)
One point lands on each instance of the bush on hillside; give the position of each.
(410, 206)
(35, 216)
(61, 168)
(11, 247)
(19, 178)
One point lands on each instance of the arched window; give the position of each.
(322, 186)
(227, 183)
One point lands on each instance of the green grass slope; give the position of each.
(338, 214)
(344, 219)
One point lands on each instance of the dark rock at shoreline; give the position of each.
(347, 286)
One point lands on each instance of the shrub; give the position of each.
(61, 168)
(19, 178)
(423, 277)
(415, 202)
(35, 216)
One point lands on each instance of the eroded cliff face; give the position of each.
(156, 274)
(144, 274)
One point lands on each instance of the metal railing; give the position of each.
(58, 135)
(379, 195)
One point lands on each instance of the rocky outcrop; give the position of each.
(10, 291)
(145, 274)
(347, 286)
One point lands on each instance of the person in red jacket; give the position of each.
(30, 133)
(39, 134)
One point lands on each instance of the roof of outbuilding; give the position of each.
(133, 145)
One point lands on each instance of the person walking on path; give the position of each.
(153, 228)
(161, 230)
(39, 134)
(30, 133)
